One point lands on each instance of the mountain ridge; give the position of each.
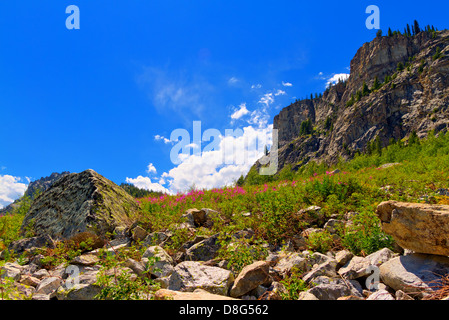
(398, 86)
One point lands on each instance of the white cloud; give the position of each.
(240, 112)
(217, 168)
(256, 86)
(280, 93)
(287, 84)
(11, 188)
(267, 99)
(337, 77)
(233, 80)
(151, 168)
(145, 183)
(162, 138)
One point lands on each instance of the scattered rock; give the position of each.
(31, 244)
(359, 267)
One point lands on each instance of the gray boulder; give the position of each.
(190, 275)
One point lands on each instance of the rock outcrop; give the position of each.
(80, 202)
(414, 97)
(423, 228)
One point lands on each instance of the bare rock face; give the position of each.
(80, 202)
(422, 228)
(414, 99)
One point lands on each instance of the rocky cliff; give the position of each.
(398, 84)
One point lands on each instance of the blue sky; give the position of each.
(107, 95)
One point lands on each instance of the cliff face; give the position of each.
(415, 98)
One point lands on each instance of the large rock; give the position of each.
(333, 288)
(419, 227)
(415, 274)
(359, 267)
(80, 202)
(161, 265)
(204, 250)
(21, 245)
(190, 275)
(250, 278)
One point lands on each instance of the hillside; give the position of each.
(398, 84)
(303, 238)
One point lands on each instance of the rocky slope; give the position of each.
(412, 94)
(191, 275)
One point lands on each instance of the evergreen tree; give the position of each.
(409, 33)
(413, 139)
(306, 127)
(400, 66)
(390, 33)
(416, 25)
(376, 84)
(379, 33)
(365, 90)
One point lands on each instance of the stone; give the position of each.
(204, 250)
(78, 292)
(418, 275)
(85, 260)
(327, 268)
(30, 281)
(250, 278)
(30, 244)
(305, 295)
(333, 225)
(40, 274)
(161, 265)
(198, 294)
(401, 295)
(334, 288)
(48, 285)
(190, 275)
(422, 228)
(289, 261)
(359, 267)
(380, 295)
(199, 218)
(342, 257)
(96, 204)
(139, 234)
(11, 270)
